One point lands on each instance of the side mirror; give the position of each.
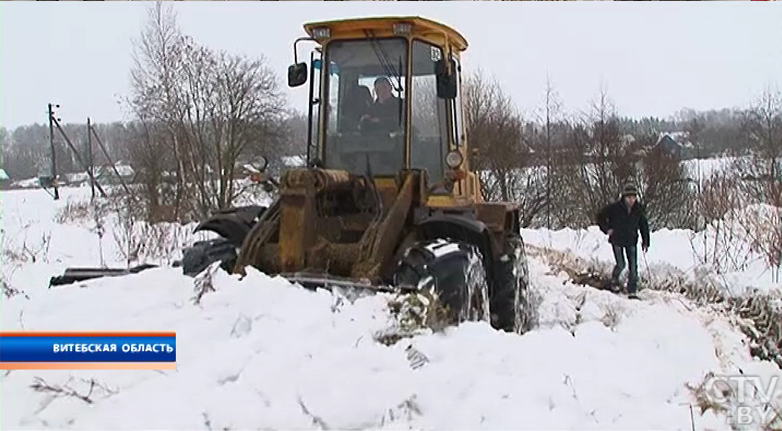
(446, 82)
(297, 74)
(261, 163)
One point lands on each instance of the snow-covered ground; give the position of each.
(260, 353)
(706, 168)
(736, 266)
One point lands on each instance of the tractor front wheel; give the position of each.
(454, 271)
(512, 304)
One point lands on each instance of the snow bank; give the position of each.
(30, 235)
(261, 353)
(725, 250)
(706, 168)
(35, 248)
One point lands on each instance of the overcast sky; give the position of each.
(654, 58)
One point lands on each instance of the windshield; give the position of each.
(365, 119)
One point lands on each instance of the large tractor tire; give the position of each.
(232, 225)
(511, 301)
(454, 271)
(201, 254)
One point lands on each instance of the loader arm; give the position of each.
(382, 239)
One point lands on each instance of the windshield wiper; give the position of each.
(385, 60)
(388, 67)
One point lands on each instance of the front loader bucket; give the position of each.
(345, 287)
(314, 281)
(73, 275)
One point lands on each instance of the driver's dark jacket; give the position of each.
(387, 113)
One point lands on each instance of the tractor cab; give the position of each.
(385, 98)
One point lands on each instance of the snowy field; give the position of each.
(260, 353)
(742, 270)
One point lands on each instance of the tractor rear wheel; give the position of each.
(454, 271)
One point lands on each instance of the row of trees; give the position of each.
(562, 168)
(26, 151)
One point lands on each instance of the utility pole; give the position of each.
(108, 158)
(51, 146)
(76, 153)
(91, 166)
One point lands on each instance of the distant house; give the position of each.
(669, 145)
(108, 175)
(103, 174)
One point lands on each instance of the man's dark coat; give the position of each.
(625, 223)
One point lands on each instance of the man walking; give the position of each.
(621, 221)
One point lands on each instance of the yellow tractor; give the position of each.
(387, 199)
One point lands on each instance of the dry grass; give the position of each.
(722, 399)
(78, 212)
(758, 316)
(414, 314)
(204, 282)
(92, 389)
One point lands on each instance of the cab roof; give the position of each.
(424, 27)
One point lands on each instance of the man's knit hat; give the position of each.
(629, 190)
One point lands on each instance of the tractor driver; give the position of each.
(384, 112)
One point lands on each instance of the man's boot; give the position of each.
(632, 292)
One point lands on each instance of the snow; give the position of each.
(28, 183)
(741, 268)
(261, 353)
(294, 161)
(4, 175)
(125, 170)
(78, 177)
(709, 167)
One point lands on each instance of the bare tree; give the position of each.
(761, 174)
(145, 141)
(552, 112)
(762, 169)
(211, 109)
(156, 104)
(669, 199)
(602, 159)
(721, 200)
(496, 129)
